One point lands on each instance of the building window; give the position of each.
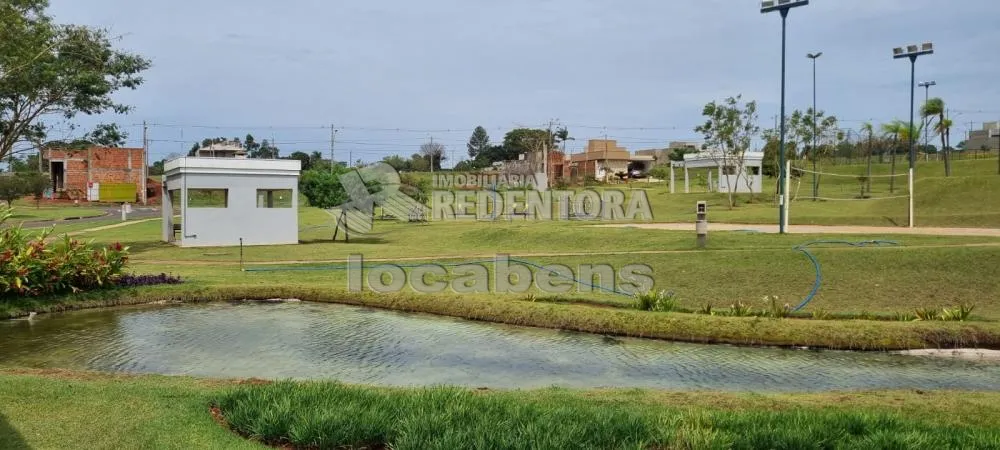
(753, 170)
(208, 198)
(728, 170)
(274, 198)
(175, 201)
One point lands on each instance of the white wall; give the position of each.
(241, 218)
(740, 183)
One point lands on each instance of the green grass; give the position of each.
(330, 415)
(27, 212)
(62, 409)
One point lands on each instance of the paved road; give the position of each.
(815, 229)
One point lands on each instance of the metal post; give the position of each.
(913, 152)
(913, 88)
(909, 182)
(781, 142)
(784, 208)
(815, 180)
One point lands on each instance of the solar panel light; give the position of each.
(913, 50)
(767, 6)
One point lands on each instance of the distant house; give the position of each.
(78, 174)
(984, 138)
(662, 155)
(227, 149)
(601, 160)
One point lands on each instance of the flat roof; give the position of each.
(190, 164)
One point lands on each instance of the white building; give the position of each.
(726, 172)
(226, 201)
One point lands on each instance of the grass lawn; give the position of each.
(25, 211)
(61, 409)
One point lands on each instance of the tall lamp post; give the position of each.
(912, 52)
(813, 57)
(782, 6)
(927, 96)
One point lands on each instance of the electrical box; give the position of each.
(701, 223)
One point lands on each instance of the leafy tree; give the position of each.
(322, 188)
(419, 163)
(397, 162)
(434, 152)
(12, 187)
(50, 69)
(729, 129)
(478, 142)
(251, 145)
(527, 141)
(107, 135)
(304, 158)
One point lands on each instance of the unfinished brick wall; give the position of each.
(98, 165)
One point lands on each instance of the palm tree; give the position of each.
(893, 129)
(934, 109)
(869, 130)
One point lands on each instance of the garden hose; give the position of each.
(819, 274)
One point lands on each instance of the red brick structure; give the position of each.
(73, 170)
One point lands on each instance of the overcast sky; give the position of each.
(641, 68)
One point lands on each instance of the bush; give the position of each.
(131, 280)
(31, 266)
(662, 301)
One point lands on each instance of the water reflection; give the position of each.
(381, 347)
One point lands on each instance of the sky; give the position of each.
(390, 75)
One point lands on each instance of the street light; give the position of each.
(912, 52)
(813, 57)
(782, 6)
(927, 91)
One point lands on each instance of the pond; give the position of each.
(361, 345)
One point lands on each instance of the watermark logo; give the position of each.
(501, 275)
(493, 197)
(375, 185)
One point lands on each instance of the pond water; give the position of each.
(360, 345)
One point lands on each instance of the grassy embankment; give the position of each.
(59, 409)
(923, 272)
(969, 198)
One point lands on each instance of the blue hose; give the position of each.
(815, 262)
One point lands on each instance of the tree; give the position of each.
(729, 130)
(528, 141)
(12, 187)
(322, 188)
(266, 150)
(397, 162)
(934, 109)
(869, 130)
(303, 158)
(419, 163)
(251, 145)
(478, 142)
(107, 135)
(49, 69)
(434, 152)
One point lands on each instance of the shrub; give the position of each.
(707, 309)
(820, 315)
(131, 280)
(775, 309)
(32, 266)
(739, 309)
(925, 314)
(958, 313)
(662, 301)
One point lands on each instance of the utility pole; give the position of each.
(431, 155)
(145, 161)
(333, 140)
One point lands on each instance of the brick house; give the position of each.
(73, 170)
